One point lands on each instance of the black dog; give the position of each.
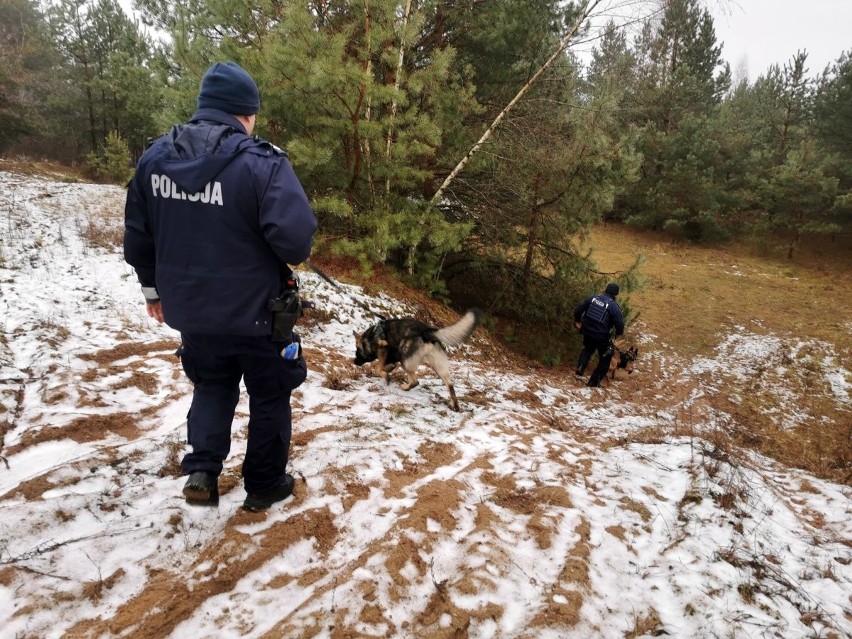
(408, 342)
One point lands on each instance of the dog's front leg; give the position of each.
(381, 366)
(613, 365)
(384, 374)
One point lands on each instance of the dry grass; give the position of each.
(694, 294)
(98, 235)
(822, 446)
(43, 168)
(648, 625)
(695, 297)
(102, 225)
(174, 453)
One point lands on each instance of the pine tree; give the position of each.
(25, 78)
(612, 73)
(786, 96)
(799, 197)
(681, 80)
(549, 171)
(832, 124)
(108, 85)
(362, 100)
(112, 163)
(832, 114)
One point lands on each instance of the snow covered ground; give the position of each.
(542, 510)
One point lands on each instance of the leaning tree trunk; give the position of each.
(560, 49)
(397, 83)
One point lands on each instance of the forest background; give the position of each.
(460, 143)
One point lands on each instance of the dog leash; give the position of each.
(316, 269)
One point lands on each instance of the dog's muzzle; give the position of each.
(361, 358)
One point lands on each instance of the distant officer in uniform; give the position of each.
(212, 219)
(594, 317)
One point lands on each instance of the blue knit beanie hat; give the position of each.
(612, 289)
(227, 87)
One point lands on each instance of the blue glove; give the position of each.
(291, 351)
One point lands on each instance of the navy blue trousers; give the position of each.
(215, 364)
(590, 345)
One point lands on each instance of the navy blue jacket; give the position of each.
(213, 216)
(598, 314)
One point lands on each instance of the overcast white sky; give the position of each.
(758, 33)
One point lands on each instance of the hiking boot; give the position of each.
(201, 489)
(255, 502)
(578, 372)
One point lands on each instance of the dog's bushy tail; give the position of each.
(458, 333)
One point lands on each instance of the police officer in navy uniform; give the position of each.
(213, 218)
(595, 316)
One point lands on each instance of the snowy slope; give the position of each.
(543, 510)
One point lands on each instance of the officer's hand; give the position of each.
(155, 310)
(578, 325)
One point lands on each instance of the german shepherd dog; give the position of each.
(408, 342)
(623, 359)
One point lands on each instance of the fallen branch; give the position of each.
(42, 573)
(51, 546)
(439, 585)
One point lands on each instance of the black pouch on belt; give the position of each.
(285, 311)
